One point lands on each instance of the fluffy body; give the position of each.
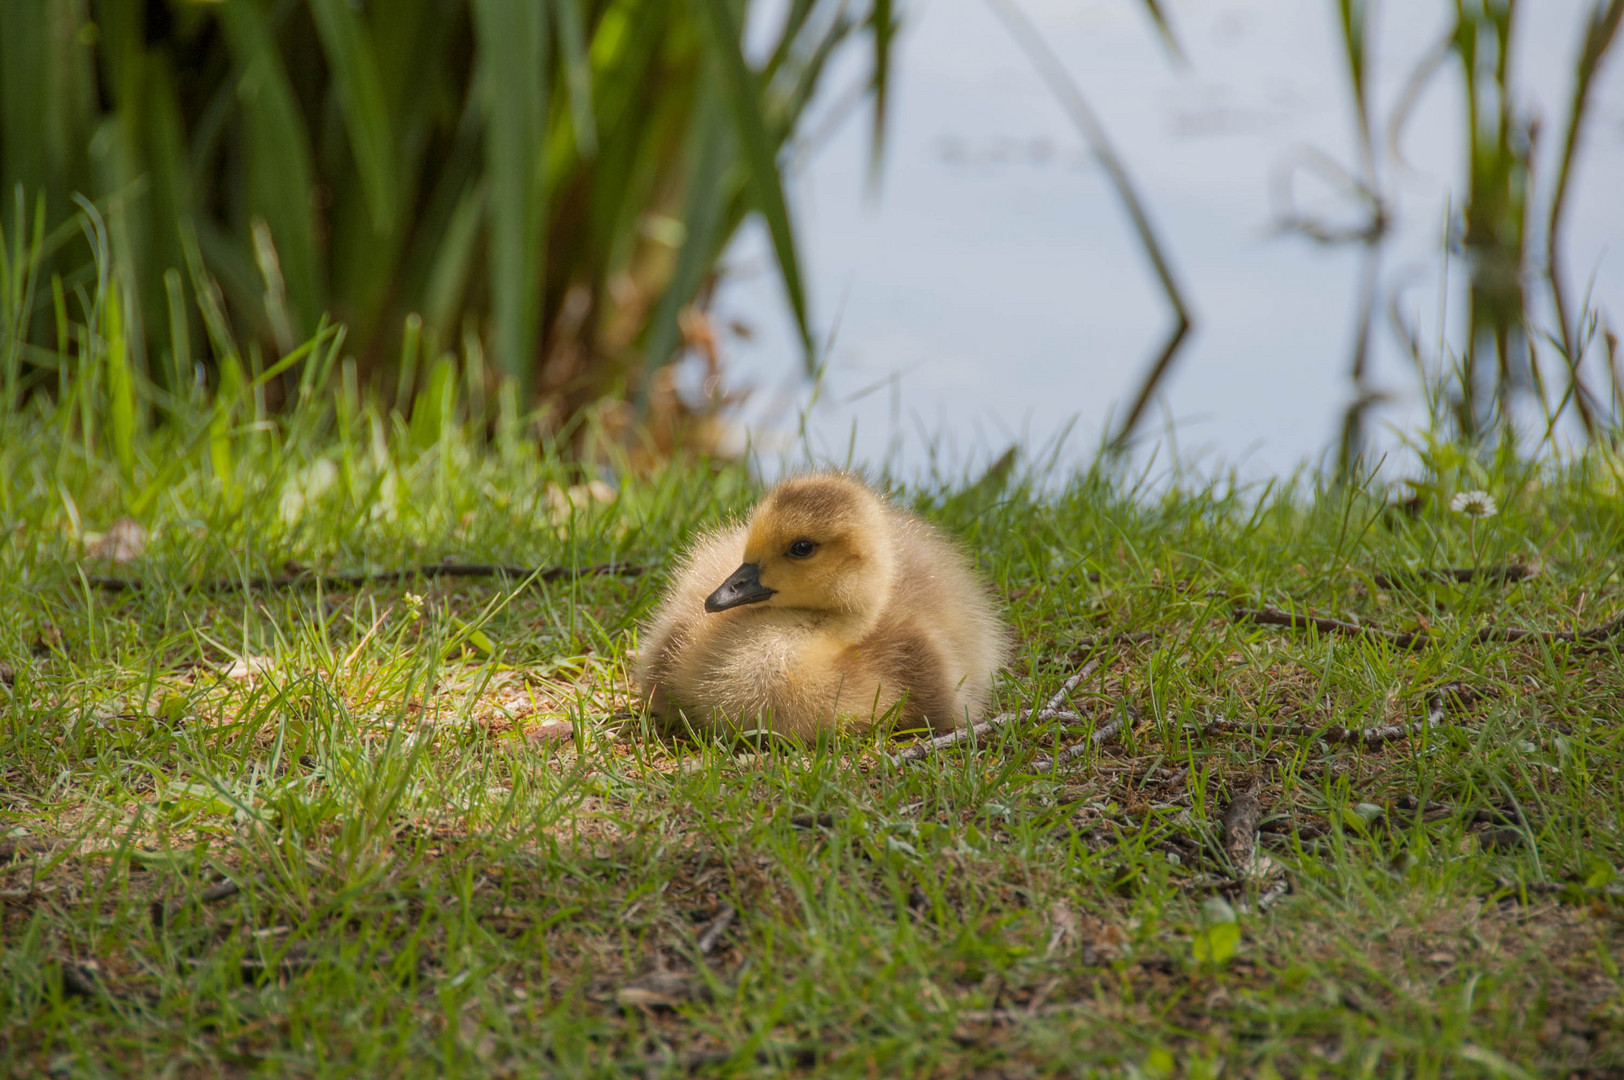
(883, 622)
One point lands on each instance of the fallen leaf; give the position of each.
(246, 667)
(1103, 942)
(123, 542)
(553, 731)
(1062, 925)
(562, 503)
(662, 990)
(1218, 940)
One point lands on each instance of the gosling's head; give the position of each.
(815, 543)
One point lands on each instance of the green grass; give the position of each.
(433, 882)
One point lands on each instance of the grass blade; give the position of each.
(703, 217)
(121, 407)
(19, 278)
(1158, 15)
(577, 75)
(743, 94)
(1082, 114)
(47, 99)
(883, 27)
(513, 45)
(1600, 34)
(359, 88)
(180, 336)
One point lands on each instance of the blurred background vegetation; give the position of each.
(505, 205)
(525, 195)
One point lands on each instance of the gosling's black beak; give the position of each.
(743, 586)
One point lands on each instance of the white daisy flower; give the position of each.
(1474, 504)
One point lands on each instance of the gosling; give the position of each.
(828, 609)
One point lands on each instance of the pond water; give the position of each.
(992, 290)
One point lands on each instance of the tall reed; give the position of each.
(556, 179)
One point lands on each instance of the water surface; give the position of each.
(992, 291)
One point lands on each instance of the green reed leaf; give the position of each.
(743, 94)
(702, 216)
(577, 74)
(279, 178)
(359, 89)
(512, 40)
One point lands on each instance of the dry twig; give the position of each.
(1337, 733)
(16, 847)
(1269, 616)
(306, 577)
(1081, 652)
(1504, 574)
(712, 934)
(1416, 639)
(1051, 710)
(159, 912)
(924, 748)
(1516, 633)
(82, 980)
(1240, 823)
(1103, 734)
(1268, 898)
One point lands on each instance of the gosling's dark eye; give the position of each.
(801, 549)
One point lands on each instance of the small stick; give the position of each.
(1505, 574)
(713, 931)
(1489, 815)
(1137, 637)
(1337, 733)
(1552, 888)
(1050, 711)
(158, 912)
(1105, 733)
(1064, 693)
(339, 581)
(1416, 639)
(1515, 633)
(1269, 616)
(251, 967)
(1240, 823)
(923, 749)
(81, 980)
(1268, 897)
(16, 847)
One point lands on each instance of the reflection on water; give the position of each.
(992, 289)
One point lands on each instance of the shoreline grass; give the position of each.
(417, 828)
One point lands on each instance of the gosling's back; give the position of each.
(937, 600)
